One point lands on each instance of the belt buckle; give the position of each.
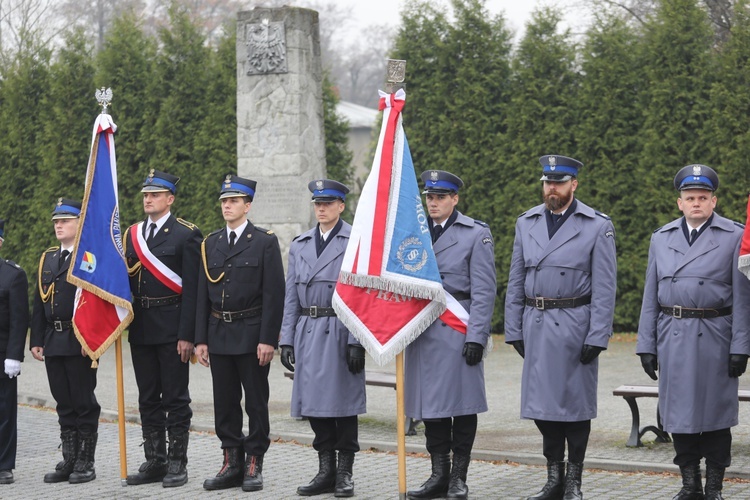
(677, 312)
(313, 311)
(144, 303)
(58, 325)
(226, 316)
(539, 303)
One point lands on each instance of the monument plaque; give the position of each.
(280, 137)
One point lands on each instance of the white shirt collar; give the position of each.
(159, 223)
(237, 231)
(690, 228)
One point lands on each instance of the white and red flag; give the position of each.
(744, 260)
(389, 289)
(102, 308)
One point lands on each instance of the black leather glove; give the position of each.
(589, 353)
(473, 353)
(650, 364)
(519, 347)
(355, 358)
(737, 365)
(287, 357)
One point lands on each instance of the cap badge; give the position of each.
(319, 184)
(552, 162)
(59, 202)
(150, 176)
(696, 170)
(434, 175)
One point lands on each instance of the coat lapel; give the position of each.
(162, 234)
(704, 244)
(332, 250)
(55, 262)
(568, 231)
(243, 241)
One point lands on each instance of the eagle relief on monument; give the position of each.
(266, 47)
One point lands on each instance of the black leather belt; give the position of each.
(461, 296)
(686, 312)
(149, 302)
(316, 312)
(60, 326)
(543, 303)
(229, 316)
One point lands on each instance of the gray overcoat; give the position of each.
(323, 384)
(438, 382)
(579, 260)
(696, 393)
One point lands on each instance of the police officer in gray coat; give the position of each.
(559, 310)
(695, 330)
(444, 368)
(238, 318)
(329, 378)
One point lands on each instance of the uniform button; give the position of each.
(562, 273)
(309, 285)
(442, 324)
(674, 280)
(56, 304)
(674, 333)
(557, 324)
(442, 277)
(538, 320)
(330, 286)
(700, 334)
(229, 265)
(228, 280)
(700, 282)
(309, 330)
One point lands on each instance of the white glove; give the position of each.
(12, 367)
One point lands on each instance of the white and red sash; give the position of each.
(455, 315)
(161, 272)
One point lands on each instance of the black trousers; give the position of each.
(451, 433)
(231, 374)
(555, 434)
(72, 382)
(8, 429)
(336, 433)
(715, 446)
(163, 395)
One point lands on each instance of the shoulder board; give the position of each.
(13, 264)
(481, 223)
(739, 225)
(52, 249)
(218, 231)
(602, 215)
(263, 230)
(187, 224)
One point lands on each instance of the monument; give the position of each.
(280, 137)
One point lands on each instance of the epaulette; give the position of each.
(263, 230)
(52, 249)
(602, 215)
(739, 225)
(13, 264)
(215, 232)
(187, 224)
(482, 223)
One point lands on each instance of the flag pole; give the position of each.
(121, 412)
(400, 424)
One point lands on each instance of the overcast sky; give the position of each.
(517, 12)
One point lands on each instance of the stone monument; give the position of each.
(280, 137)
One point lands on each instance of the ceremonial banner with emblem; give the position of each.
(102, 308)
(744, 260)
(389, 289)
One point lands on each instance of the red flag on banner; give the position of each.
(744, 261)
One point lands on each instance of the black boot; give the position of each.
(154, 468)
(177, 467)
(253, 473)
(555, 486)
(457, 485)
(573, 482)
(714, 482)
(325, 480)
(64, 468)
(437, 484)
(344, 484)
(83, 470)
(692, 489)
(230, 474)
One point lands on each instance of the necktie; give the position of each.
(693, 236)
(556, 218)
(436, 232)
(232, 238)
(151, 230)
(63, 255)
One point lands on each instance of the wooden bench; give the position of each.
(631, 393)
(381, 379)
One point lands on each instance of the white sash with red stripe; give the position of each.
(161, 272)
(455, 315)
